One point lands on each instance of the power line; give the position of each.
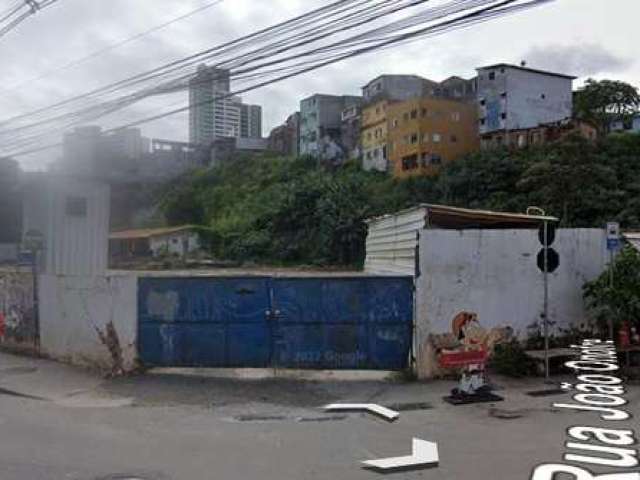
(113, 46)
(107, 108)
(127, 100)
(226, 48)
(18, 14)
(483, 14)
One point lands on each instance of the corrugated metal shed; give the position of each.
(392, 240)
(73, 217)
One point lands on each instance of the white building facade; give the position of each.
(515, 97)
(213, 111)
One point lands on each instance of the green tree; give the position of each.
(572, 182)
(615, 295)
(602, 102)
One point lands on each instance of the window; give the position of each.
(454, 139)
(425, 160)
(174, 241)
(414, 114)
(482, 121)
(543, 96)
(425, 138)
(394, 123)
(414, 138)
(369, 155)
(377, 110)
(492, 75)
(376, 153)
(503, 116)
(437, 138)
(405, 139)
(410, 162)
(369, 136)
(503, 94)
(406, 117)
(436, 159)
(455, 116)
(424, 112)
(483, 102)
(76, 206)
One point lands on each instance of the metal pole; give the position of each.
(36, 301)
(610, 322)
(546, 302)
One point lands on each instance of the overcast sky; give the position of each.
(587, 38)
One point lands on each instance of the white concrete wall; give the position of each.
(526, 107)
(494, 274)
(531, 98)
(71, 308)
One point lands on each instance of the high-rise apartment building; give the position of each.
(213, 111)
(250, 121)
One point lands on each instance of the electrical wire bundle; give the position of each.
(18, 11)
(336, 32)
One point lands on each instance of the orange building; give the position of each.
(373, 136)
(423, 133)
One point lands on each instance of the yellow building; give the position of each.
(373, 136)
(423, 133)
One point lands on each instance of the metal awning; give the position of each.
(443, 216)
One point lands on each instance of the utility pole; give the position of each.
(546, 301)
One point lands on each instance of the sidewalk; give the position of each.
(52, 381)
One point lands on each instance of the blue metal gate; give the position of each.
(330, 322)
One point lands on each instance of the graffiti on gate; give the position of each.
(17, 311)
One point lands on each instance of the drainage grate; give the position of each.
(135, 476)
(410, 406)
(260, 418)
(4, 391)
(546, 393)
(332, 418)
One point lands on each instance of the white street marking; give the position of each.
(425, 454)
(384, 412)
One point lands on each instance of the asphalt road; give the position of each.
(170, 427)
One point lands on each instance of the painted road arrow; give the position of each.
(379, 410)
(425, 454)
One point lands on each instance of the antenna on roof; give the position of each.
(523, 63)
